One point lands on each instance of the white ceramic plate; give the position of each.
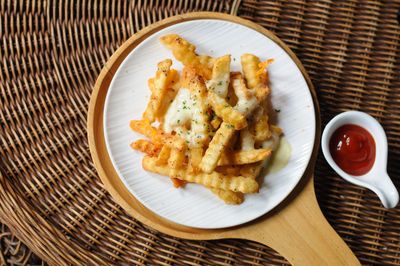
(196, 206)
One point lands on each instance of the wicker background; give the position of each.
(50, 196)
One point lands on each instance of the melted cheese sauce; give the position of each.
(186, 117)
(219, 85)
(245, 104)
(272, 143)
(178, 112)
(280, 157)
(247, 140)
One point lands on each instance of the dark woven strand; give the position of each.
(13, 252)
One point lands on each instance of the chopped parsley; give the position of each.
(229, 125)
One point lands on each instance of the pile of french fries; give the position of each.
(208, 125)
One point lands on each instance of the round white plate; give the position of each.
(195, 205)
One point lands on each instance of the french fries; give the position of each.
(177, 182)
(244, 157)
(195, 159)
(261, 129)
(216, 122)
(247, 140)
(253, 71)
(212, 180)
(146, 146)
(213, 127)
(216, 147)
(158, 86)
(226, 112)
(220, 76)
(206, 61)
(229, 197)
(163, 155)
(184, 52)
(255, 74)
(175, 161)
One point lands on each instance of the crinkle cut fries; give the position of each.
(213, 123)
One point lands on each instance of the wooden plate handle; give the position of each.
(301, 234)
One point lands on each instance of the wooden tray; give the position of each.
(296, 228)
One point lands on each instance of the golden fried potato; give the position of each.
(244, 157)
(273, 142)
(144, 127)
(256, 80)
(250, 69)
(199, 122)
(220, 78)
(169, 95)
(216, 122)
(262, 70)
(226, 112)
(246, 140)
(247, 100)
(163, 156)
(177, 182)
(158, 86)
(195, 156)
(252, 170)
(260, 127)
(184, 52)
(277, 130)
(206, 61)
(231, 98)
(157, 136)
(176, 159)
(229, 197)
(146, 146)
(213, 128)
(211, 180)
(230, 170)
(216, 147)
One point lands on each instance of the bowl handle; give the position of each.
(301, 234)
(386, 191)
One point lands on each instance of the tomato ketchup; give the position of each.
(353, 149)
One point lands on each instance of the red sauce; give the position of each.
(353, 149)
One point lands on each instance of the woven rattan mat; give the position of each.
(51, 53)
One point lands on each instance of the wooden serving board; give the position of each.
(296, 229)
